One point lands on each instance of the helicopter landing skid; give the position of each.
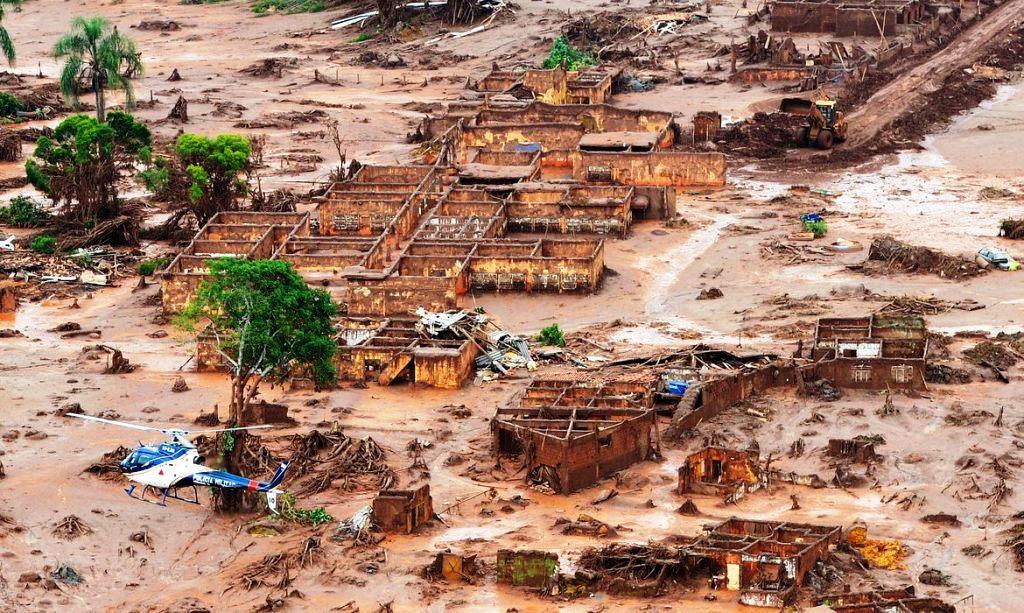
(170, 492)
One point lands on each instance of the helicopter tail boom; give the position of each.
(277, 478)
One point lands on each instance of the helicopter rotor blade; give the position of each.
(123, 424)
(230, 429)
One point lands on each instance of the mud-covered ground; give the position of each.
(943, 451)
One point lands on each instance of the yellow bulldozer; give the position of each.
(826, 125)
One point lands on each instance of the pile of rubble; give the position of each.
(765, 135)
(326, 457)
(898, 256)
(45, 274)
(500, 350)
(1012, 228)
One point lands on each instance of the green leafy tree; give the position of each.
(44, 243)
(97, 53)
(23, 212)
(213, 171)
(6, 44)
(9, 103)
(81, 165)
(266, 323)
(552, 336)
(563, 53)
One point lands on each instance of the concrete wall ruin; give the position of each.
(663, 168)
(884, 18)
(403, 511)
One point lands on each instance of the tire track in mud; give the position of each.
(900, 96)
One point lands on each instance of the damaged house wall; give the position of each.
(600, 443)
(765, 560)
(661, 168)
(709, 398)
(403, 511)
(876, 352)
(718, 471)
(537, 569)
(885, 18)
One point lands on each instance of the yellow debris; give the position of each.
(884, 554)
(857, 536)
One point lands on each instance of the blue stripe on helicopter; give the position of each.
(149, 456)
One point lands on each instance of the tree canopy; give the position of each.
(6, 44)
(80, 166)
(95, 51)
(266, 322)
(213, 166)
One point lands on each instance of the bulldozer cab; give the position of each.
(827, 108)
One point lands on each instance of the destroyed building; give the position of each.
(403, 511)
(387, 350)
(440, 350)
(721, 472)
(570, 436)
(843, 18)
(766, 561)
(556, 85)
(717, 380)
(392, 239)
(877, 352)
(901, 600)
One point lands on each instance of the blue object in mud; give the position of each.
(678, 387)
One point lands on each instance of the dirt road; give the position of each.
(903, 93)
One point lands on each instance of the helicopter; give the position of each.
(167, 467)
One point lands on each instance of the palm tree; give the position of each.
(98, 52)
(6, 44)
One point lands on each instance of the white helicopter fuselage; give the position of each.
(169, 473)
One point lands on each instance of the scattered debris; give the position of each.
(898, 256)
(160, 25)
(109, 466)
(180, 110)
(357, 528)
(711, 293)
(65, 573)
(270, 67)
(1012, 228)
(586, 525)
(70, 528)
(942, 518)
(934, 576)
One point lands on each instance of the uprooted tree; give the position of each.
(205, 175)
(266, 323)
(81, 166)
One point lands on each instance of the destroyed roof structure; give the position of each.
(440, 350)
(570, 436)
(900, 600)
(877, 352)
(766, 561)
